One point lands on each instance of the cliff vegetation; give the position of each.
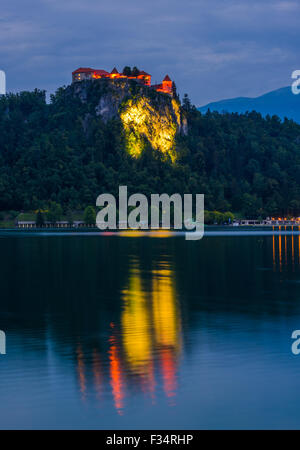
(94, 136)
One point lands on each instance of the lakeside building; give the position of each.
(46, 224)
(237, 222)
(87, 73)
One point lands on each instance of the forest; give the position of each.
(50, 154)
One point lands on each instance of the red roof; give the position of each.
(167, 78)
(141, 72)
(89, 70)
(83, 70)
(105, 73)
(101, 72)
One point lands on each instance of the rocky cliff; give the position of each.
(148, 117)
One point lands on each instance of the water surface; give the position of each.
(124, 332)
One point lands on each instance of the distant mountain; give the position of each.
(281, 102)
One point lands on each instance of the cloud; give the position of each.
(287, 6)
(250, 45)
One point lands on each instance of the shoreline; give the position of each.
(209, 231)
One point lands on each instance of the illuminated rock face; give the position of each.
(143, 122)
(149, 118)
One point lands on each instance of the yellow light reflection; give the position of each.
(274, 254)
(280, 255)
(151, 329)
(164, 309)
(136, 325)
(161, 233)
(132, 233)
(293, 253)
(285, 250)
(299, 247)
(166, 326)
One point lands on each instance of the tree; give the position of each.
(89, 215)
(55, 212)
(217, 217)
(70, 217)
(174, 90)
(228, 217)
(135, 72)
(127, 71)
(250, 206)
(208, 217)
(242, 162)
(39, 219)
(186, 103)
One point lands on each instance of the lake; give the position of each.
(126, 332)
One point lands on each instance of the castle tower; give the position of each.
(114, 73)
(167, 85)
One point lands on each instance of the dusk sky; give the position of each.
(213, 49)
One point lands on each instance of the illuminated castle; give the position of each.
(86, 73)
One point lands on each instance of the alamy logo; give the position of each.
(2, 83)
(2, 343)
(296, 344)
(296, 83)
(133, 212)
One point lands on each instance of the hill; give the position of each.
(96, 136)
(281, 102)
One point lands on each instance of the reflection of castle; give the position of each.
(86, 73)
(151, 324)
(147, 343)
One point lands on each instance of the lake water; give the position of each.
(116, 332)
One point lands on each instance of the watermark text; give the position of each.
(2, 343)
(2, 83)
(296, 83)
(165, 211)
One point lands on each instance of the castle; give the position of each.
(86, 73)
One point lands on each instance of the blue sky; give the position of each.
(213, 49)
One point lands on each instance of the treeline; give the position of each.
(55, 214)
(246, 163)
(64, 153)
(218, 218)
